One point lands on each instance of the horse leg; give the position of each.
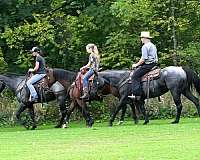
(194, 99)
(177, 100)
(119, 107)
(134, 114)
(135, 117)
(32, 114)
(73, 105)
(121, 121)
(140, 105)
(61, 101)
(85, 113)
(21, 108)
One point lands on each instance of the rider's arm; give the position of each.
(144, 56)
(88, 65)
(141, 61)
(37, 64)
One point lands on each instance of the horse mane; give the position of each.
(115, 77)
(123, 73)
(62, 74)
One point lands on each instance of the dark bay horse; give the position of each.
(73, 94)
(177, 80)
(57, 92)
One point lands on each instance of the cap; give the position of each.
(35, 49)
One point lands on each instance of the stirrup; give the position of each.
(84, 96)
(132, 96)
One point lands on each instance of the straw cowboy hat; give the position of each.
(145, 35)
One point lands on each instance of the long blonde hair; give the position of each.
(94, 50)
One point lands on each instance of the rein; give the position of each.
(123, 80)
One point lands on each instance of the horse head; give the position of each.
(97, 86)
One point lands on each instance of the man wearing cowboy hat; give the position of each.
(147, 61)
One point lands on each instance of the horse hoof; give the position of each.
(110, 124)
(90, 124)
(146, 122)
(65, 126)
(136, 121)
(120, 123)
(174, 122)
(33, 127)
(27, 127)
(58, 126)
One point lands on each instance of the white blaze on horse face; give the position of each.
(176, 72)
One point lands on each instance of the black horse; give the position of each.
(177, 80)
(58, 85)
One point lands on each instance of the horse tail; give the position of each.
(192, 79)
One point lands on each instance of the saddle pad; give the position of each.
(153, 74)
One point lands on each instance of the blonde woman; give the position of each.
(93, 65)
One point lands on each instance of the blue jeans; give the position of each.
(86, 78)
(30, 83)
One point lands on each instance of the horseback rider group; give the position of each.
(147, 61)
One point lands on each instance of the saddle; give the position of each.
(79, 80)
(41, 88)
(153, 74)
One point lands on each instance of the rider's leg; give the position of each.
(85, 82)
(136, 77)
(30, 83)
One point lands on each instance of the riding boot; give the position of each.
(85, 95)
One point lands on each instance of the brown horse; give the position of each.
(74, 90)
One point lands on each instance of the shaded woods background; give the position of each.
(63, 29)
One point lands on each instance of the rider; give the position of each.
(93, 65)
(147, 61)
(39, 72)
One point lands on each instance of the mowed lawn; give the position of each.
(159, 140)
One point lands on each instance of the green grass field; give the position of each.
(159, 140)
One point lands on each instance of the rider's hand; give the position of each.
(31, 70)
(82, 68)
(134, 66)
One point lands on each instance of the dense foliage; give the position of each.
(63, 28)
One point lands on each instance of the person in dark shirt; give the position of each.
(39, 73)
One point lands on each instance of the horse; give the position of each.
(73, 95)
(57, 91)
(104, 87)
(177, 80)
